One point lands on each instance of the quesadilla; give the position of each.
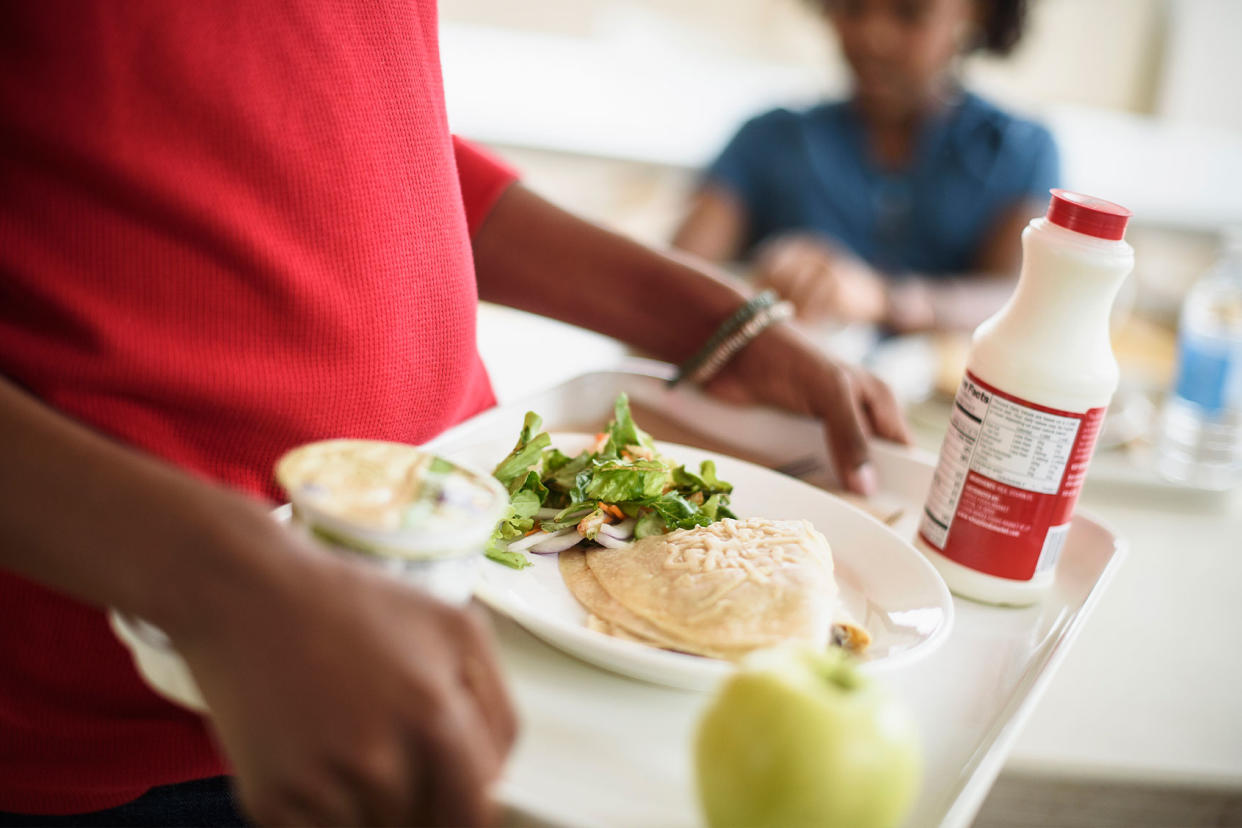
(720, 590)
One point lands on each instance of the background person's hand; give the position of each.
(344, 697)
(781, 367)
(822, 281)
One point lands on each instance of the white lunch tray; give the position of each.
(599, 749)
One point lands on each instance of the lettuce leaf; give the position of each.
(526, 453)
(711, 483)
(499, 553)
(569, 516)
(649, 524)
(520, 517)
(615, 481)
(706, 481)
(717, 508)
(626, 472)
(566, 475)
(554, 459)
(530, 483)
(577, 493)
(676, 512)
(623, 431)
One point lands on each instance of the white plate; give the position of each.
(884, 581)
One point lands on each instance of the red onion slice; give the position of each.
(618, 531)
(610, 541)
(558, 542)
(535, 538)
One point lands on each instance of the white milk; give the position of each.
(1038, 378)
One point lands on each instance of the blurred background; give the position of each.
(612, 108)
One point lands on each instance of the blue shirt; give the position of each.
(812, 171)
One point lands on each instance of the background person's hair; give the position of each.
(1001, 24)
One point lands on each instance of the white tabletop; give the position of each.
(1152, 690)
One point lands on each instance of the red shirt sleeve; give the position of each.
(483, 178)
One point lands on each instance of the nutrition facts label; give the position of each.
(1001, 497)
(966, 423)
(1023, 447)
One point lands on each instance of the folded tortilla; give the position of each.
(719, 591)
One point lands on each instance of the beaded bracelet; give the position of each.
(735, 333)
(738, 318)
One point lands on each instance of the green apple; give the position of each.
(800, 738)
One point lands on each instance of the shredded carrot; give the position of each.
(615, 511)
(533, 530)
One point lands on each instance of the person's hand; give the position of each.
(344, 697)
(822, 281)
(781, 367)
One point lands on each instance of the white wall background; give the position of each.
(1202, 78)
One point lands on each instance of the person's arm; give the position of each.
(827, 282)
(534, 256)
(735, 188)
(715, 227)
(339, 695)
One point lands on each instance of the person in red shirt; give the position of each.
(223, 232)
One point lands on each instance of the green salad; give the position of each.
(619, 490)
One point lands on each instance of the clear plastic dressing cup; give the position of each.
(415, 514)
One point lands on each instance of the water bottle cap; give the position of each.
(1088, 215)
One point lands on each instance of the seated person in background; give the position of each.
(902, 205)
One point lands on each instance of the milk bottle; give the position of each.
(1039, 376)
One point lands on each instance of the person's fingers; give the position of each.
(838, 405)
(462, 763)
(297, 802)
(781, 255)
(782, 263)
(263, 807)
(480, 674)
(822, 296)
(772, 262)
(804, 283)
(777, 270)
(387, 780)
(883, 410)
(846, 301)
(803, 277)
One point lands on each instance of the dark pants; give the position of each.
(202, 803)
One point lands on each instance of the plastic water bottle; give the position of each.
(1200, 441)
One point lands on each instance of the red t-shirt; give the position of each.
(224, 230)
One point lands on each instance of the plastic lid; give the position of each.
(1088, 215)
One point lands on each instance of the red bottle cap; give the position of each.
(1088, 215)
